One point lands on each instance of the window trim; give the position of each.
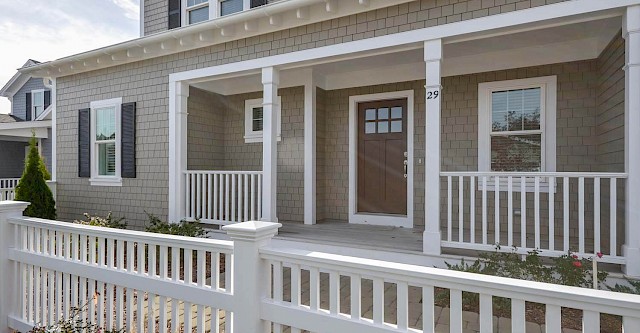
(548, 85)
(33, 104)
(251, 136)
(97, 180)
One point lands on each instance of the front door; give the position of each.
(382, 157)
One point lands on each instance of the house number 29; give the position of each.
(433, 94)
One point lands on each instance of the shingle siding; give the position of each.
(46, 150)
(19, 105)
(156, 16)
(12, 155)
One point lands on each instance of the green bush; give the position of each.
(184, 228)
(33, 188)
(107, 222)
(632, 288)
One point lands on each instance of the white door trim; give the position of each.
(379, 219)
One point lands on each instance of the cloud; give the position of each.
(47, 30)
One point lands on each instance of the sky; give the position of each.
(46, 30)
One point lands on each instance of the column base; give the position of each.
(632, 267)
(431, 242)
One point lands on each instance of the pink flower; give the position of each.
(599, 254)
(574, 256)
(577, 264)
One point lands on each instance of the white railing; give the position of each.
(552, 212)
(7, 188)
(145, 282)
(223, 197)
(392, 297)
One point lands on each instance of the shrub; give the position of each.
(107, 222)
(33, 188)
(184, 228)
(632, 288)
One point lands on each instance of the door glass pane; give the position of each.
(370, 114)
(106, 124)
(396, 126)
(383, 113)
(383, 127)
(396, 112)
(230, 6)
(516, 153)
(107, 159)
(199, 15)
(370, 128)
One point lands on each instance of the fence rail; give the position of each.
(223, 197)
(551, 212)
(7, 188)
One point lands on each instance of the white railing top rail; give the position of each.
(221, 172)
(534, 174)
(192, 243)
(545, 293)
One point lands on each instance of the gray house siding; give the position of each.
(155, 16)
(19, 106)
(12, 156)
(46, 151)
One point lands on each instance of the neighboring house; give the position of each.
(468, 123)
(30, 114)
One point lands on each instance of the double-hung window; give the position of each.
(37, 103)
(197, 10)
(254, 120)
(105, 136)
(517, 125)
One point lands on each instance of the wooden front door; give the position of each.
(382, 157)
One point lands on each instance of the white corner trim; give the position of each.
(549, 86)
(54, 129)
(379, 219)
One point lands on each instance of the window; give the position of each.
(197, 11)
(231, 6)
(517, 125)
(37, 103)
(254, 120)
(105, 137)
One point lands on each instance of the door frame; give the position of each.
(405, 221)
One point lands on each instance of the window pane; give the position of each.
(38, 99)
(383, 113)
(199, 15)
(106, 124)
(38, 110)
(531, 109)
(516, 110)
(516, 153)
(230, 6)
(257, 125)
(257, 115)
(107, 159)
(370, 128)
(191, 3)
(383, 127)
(396, 112)
(396, 126)
(370, 114)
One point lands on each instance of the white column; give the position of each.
(433, 60)
(8, 274)
(270, 107)
(631, 33)
(250, 273)
(310, 150)
(178, 96)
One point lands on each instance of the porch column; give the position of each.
(178, 95)
(433, 59)
(631, 33)
(310, 149)
(270, 107)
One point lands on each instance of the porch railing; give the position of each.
(223, 197)
(7, 188)
(551, 212)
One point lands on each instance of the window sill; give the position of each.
(257, 138)
(112, 182)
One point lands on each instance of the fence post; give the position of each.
(250, 273)
(8, 269)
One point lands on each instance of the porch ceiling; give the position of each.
(573, 42)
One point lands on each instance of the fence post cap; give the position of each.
(252, 230)
(10, 206)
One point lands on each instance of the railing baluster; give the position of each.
(403, 305)
(613, 217)
(334, 293)
(428, 314)
(565, 215)
(238, 207)
(581, 214)
(536, 202)
(553, 318)
(590, 322)
(552, 212)
(314, 288)
(455, 315)
(356, 297)
(192, 215)
(253, 197)
(510, 211)
(245, 198)
(486, 313)
(234, 193)
(450, 209)
(227, 199)
(295, 285)
(378, 301)
(485, 230)
(523, 212)
(497, 209)
(460, 209)
(596, 215)
(518, 320)
(277, 290)
(472, 209)
(198, 213)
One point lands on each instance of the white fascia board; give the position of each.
(558, 14)
(39, 132)
(26, 125)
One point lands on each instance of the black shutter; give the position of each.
(128, 148)
(175, 14)
(84, 143)
(47, 98)
(28, 106)
(258, 3)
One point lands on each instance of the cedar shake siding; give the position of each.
(12, 155)
(156, 16)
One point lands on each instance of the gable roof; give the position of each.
(17, 80)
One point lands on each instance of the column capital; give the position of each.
(270, 75)
(631, 21)
(433, 50)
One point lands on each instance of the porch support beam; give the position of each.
(310, 89)
(178, 96)
(270, 106)
(433, 60)
(631, 34)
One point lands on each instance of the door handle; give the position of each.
(406, 168)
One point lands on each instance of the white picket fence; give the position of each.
(223, 197)
(553, 212)
(7, 188)
(157, 283)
